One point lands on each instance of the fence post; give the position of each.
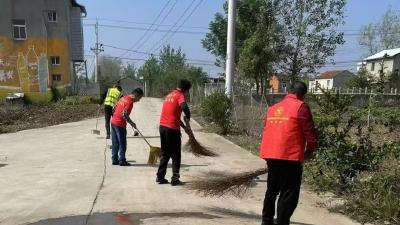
(366, 90)
(352, 90)
(348, 89)
(395, 91)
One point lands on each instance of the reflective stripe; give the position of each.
(112, 97)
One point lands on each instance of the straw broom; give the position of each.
(194, 146)
(155, 152)
(219, 185)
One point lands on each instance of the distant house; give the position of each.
(388, 60)
(279, 83)
(330, 80)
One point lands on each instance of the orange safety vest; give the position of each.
(282, 136)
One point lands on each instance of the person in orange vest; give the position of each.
(288, 138)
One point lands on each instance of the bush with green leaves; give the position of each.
(347, 163)
(217, 109)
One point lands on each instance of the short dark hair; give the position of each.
(184, 85)
(138, 92)
(299, 88)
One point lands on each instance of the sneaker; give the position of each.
(124, 163)
(115, 163)
(108, 136)
(162, 181)
(176, 183)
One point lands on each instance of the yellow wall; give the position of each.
(20, 60)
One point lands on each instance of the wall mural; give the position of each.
(30, 70)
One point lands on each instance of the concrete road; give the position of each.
(54, 175)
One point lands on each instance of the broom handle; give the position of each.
(97, 118)
(142, 136)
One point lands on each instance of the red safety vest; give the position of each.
(282, 136)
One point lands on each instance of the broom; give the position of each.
(95, 131)
(194, 146)
(221, 184)
(155, 152)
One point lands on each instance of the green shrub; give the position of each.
(375, 195)
(217, 109)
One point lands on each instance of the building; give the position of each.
(41, 44)
(330, 80)
(279, 83)
(388, 60)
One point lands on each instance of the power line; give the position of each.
(151, 26)
(177, 21)
(158, 26)
(147, 53)
(144, 29)
(141, 59)
(186, 19)
(141, 23)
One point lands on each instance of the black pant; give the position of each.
(284, 178)
(170, 148)
(108, 112)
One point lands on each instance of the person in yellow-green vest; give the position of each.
(109, 99)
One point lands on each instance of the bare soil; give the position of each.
(17, 118)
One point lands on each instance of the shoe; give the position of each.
(162, 181)
(108, 136)
(124, 163)
(115, 163)
(176, 183)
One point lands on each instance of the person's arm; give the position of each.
(185, 109)
(307, 126)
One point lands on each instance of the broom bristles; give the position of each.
(154, 155)
(220, 185)
(197, 149)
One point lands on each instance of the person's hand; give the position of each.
(133, 125)
(135, 133)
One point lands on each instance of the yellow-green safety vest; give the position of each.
(113, 95)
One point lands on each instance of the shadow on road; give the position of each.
(121, 218)
(169, 165)
(3, 165)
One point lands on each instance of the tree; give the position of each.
(382, 35)
(129, 71)
(310, 32)
(363, 79)
(110, 70)
(289, 36)
(163, 72)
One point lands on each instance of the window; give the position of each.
(283, 84)
(56, 77)
(55, 60)
(52, 16)
(328, 82)
(373, 66)
(19, 29)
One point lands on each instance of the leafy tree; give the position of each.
(129, 71)
(363, 79)
(289, 36)
(163, 72)
(310, 32)
(382, 35)
(110, 70)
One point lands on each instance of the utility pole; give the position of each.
(230, 48)
(97, 49)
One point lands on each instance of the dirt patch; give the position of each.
(17, 118)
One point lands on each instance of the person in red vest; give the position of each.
(288, 138)
(170, 134)
(119, 120)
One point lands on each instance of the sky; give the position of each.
(125, 24)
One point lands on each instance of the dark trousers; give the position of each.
(108, 112)
(170, 148)
(284, 179)
(118, 143)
